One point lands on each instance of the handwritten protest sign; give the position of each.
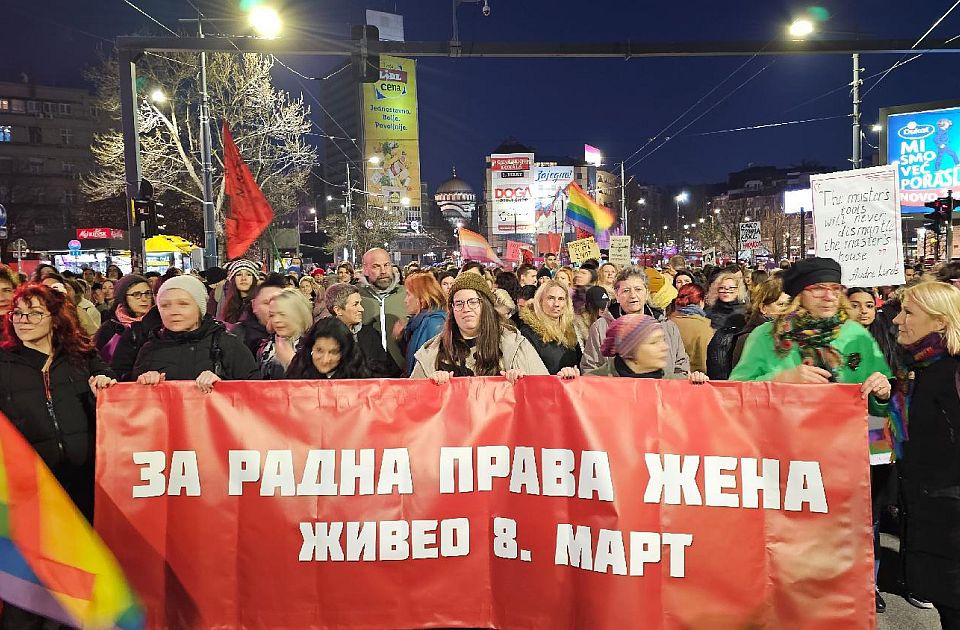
(856, 215)
(750, 235)
(620, 250)
(583, 249)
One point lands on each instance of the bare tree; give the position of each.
(268, 126)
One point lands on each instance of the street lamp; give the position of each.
(313, 211)
(329, 197)
(265, 21)
(157, 96)
(800, 28)
(680, 198)
(876, 128)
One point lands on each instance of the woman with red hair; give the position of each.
(694, 325)
(50, 373)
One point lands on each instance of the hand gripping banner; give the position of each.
(594, 503)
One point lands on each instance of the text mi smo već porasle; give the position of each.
(709, 481)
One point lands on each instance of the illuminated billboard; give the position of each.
(923, 141)
(391, 134)
(512, 195)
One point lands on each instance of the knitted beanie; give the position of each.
(655, 279)
(190, 284)
(628, 332)
(242, 263)
(472, 281)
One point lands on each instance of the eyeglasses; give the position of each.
(821, 290)
(139, 295)
(472, 303)
(34, 317)
(726, 289)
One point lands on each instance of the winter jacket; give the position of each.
(382, 310)
(696, 333)
(65, 439)
(555, 355)
(930, 469)
(250, 331)
(743, 334)
(270, 366)
(182, 356)
(377, 360)
(677, 364)
(122, 354)
(517, 352)
(421, 328)
(859, 351)
(721, 312)
(610, 368)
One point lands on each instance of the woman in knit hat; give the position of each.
(476, 341)
(242, 277)
(549, 324)
(191, 345)
(636, 347)
(813, 341)
(133, 298)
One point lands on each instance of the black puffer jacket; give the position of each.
(250, 331)
(182, 356)
(725, 314)
(65, 440)
(377, 360)
(555, 356)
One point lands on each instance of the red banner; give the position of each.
(370, 504)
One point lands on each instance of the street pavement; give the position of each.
(900, 615)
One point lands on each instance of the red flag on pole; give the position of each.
(250, 212)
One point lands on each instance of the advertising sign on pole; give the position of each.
(620, 250)
(856, 215)
(549, 198)
(583, 249)
(750, 235)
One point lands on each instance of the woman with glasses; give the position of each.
(726, 301)
(813, 341)
(475, 340)
(49, 377)
(133, 299)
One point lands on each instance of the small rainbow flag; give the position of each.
(475, 247)
(585, 213)
(52, 562)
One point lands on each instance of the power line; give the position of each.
(707, 111)
(692, 107)
(917, 43)
(155, 20)
(767, 125)
(196, 8)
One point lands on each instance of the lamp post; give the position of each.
(313, 211)
(681, 198)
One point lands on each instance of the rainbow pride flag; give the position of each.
(52, 562)
(475, 247)
(585, 213)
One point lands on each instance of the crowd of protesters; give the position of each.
(65, 337)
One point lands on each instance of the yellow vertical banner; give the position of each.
(391, 134)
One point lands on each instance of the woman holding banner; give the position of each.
(636, 347)
(550, 326)
(328, 351)
(925, 413)
(475, 340)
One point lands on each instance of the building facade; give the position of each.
(45, 138)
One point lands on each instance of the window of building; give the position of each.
(36, 135)
(4, 104)
(35, 166)
(33, 107)
(69, 196)
(6, 133)
(17, 106)
(68, 167)
(66, 109)
(48, 108)
(39, 195)
(66, 136)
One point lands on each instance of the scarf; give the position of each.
(692, 309)
(922, 354)
(812, 336)
(624, 370)
(124, 318)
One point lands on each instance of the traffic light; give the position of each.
(366, 61)
(146, 210)
(942, 212)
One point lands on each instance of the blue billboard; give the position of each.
(923, 143)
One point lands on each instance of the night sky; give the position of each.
(468, 106)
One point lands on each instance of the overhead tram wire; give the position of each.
(766, 125)
(704, 113)
(153, 19)
(700, 100)
(917, 43)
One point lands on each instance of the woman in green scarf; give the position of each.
(813, 341)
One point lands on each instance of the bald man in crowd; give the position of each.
(383, 297)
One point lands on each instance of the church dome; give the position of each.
(455, 188)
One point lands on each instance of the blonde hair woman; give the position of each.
(726, 300)
(549, 325)
(289, 314)
(925, 417)
(564, 275)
